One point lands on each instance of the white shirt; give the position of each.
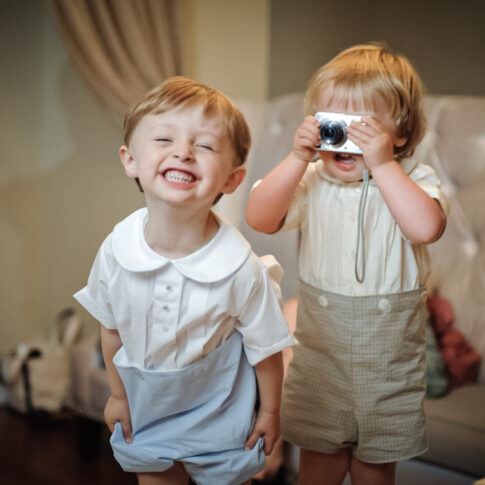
(326, 212)
(170, 313)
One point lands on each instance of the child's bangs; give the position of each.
(185, 97)
(365, 92)
(211, 101)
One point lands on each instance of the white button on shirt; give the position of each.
(170, 313)
(324, 210)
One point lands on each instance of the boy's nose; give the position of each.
(183, 151)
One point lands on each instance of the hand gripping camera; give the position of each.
(333, 130)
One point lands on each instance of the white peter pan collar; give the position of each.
(224, 254)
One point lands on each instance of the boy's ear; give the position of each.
(128, 161)
(399, 142)
(234, 180)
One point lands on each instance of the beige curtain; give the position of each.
(123, 47)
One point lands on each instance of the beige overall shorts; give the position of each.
(356, 380)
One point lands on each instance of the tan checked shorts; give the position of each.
(357, 376)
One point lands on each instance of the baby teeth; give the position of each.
(344, 158)
(175, 176)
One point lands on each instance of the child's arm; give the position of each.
(419, 216)
(117, 408)
(269, 373)
(271, 198)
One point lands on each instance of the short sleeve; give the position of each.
(94, 297)
(297, 212)
(261, 321)
(424, 176)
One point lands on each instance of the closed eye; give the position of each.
(206, 147)
(163, 139)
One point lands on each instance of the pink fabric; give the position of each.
(462, 361)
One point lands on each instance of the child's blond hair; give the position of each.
(369, 72)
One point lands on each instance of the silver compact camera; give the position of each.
(333, 131)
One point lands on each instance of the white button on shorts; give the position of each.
(384, 305)
(322, 300)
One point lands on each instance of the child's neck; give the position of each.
(175, 233)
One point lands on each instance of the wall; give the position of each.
(443, 39)
(227, 45)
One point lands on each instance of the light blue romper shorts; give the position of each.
(200, 415)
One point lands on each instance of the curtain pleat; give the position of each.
(122, 47)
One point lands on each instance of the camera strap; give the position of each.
(360, 247)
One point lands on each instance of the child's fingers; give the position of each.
(127, 431)
(307, 142)
(311, 120)
(308, 137)
(360, 134)
(360, 128)
(358, 137)
(110, 422)
(368, 125)
(252, 440)
(310, 123)
(269, 443)
(369, 121)
(308, 132)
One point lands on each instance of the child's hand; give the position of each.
(267, 425)
(117, 410)
(374, 140)
(307, 137)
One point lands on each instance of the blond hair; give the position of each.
(181, 92)
(369, 72)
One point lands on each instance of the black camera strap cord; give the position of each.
(360, 247)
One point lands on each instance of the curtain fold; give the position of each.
(122, 47)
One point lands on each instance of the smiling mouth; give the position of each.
(178, 176)
(344, 158)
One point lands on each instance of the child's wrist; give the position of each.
(382, 166)
(273, 411)
(298, 158)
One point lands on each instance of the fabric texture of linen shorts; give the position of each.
(200, 415)
(357, 378)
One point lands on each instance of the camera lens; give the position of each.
(332, 132)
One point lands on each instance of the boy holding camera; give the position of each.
(353, 397)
